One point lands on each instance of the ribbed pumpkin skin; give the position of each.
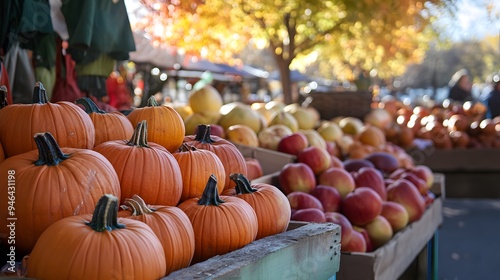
(69, 249)
(271, 207)
(152, 173)
(111, 126)
(220, 229)
(69, 125)
(174, 230)
(45, 194)
(166, 126)
(230, 156)
(195, 167)
(2, 154)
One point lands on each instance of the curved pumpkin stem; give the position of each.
(39, 94)
(49, 152)
(140, 136)
(105, 216)
(152, 102)
(3, 96)
(138, 205)
(203, 134)
(211, 194)
(89, 105)
(243, 185)
(185, 147)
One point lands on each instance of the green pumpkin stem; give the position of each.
(243, 185)
(138, 205)
(140, 136)
(49, 152)
(105, 216)
(39, 94)
(89, 105)
(211, 193)
(203, 134)
(152, 102)
(3, 96)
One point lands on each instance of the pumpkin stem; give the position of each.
(89, 105)
(185, 147)
(39, 94)
(140, 136)
(152, 102)
(3, 96)
(105, 216)
(49, 152)
(203, 134)
(138, 205)
(243, 185)
(211, 193)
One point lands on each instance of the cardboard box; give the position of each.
(271, 161)
(304, 251)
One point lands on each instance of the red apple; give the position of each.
(355, 164)
(384, 161)
(329, 196)
(361, 206)
(317, 158)
(357, 243)
(338, 178)
(312, 215)
(332, 148)
(336, 162)
(396, 215)
(254, 168)
(405, 193)
(366, 237)
(420, 184)
(302, 200)
(345, 226)
(296, 177)
(293, 143)
(372, 178)
(424, 173)
(397, 173)
(380, 231)
(388, 181)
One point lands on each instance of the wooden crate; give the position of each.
(271, 161)
(341, 103)
(304, 251)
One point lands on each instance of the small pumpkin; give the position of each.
(108, 125)
(196, 165)
(98, 246)
(270, 204)
(67, 122)
(232, 159)
(166, 125)
(49, 184)
(170, 224)
(144, 168)
(221, 224)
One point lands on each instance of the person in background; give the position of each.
(460, 86)
(493, 99)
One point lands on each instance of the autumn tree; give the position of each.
(362, 34)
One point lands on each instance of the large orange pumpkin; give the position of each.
(228, 153)
(170, 224)
(165, 124)
(108, 125)
(221, 223)
(67, 122)
(197, 165)
(145, 169)
(51, 183)
(98, 246)
(270, 204)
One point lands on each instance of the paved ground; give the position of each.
(469, 239)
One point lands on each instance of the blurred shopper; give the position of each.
(460, 86)
(493, 99)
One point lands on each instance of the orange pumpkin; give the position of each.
(97, 246)
(170, 225)
(270, 204)
(69, 124)
(145, 169)
(108, 125)
(165, 124)
(2, 154)
(197, 165)
(49, 184)
(221, 224)
(228, 153)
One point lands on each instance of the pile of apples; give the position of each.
(370, 198)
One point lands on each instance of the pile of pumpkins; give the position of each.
(99, 195)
